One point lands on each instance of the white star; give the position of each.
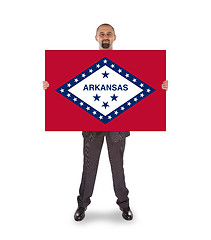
(105, 61)
(126, 75)
(90, 70)
(61, 90)
(98, 65)
(148, 90)
(68, 95)
(100, 117)
(141, 84)
(81, 104)
(68, 84)
(142, 95)
(94, 112)
(134, 80)
(129, 104)
(88, 108)
(135, 99)
(120, 70)
(122, 108)
(112, 65)
(109, 117)
(76, 80)
(74, 99)
(116, 112)
(83, 75)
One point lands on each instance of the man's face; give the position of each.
(105, 36)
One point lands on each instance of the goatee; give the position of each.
(105, 45)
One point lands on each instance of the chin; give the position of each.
(106, 46)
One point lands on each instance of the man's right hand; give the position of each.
(45, 85)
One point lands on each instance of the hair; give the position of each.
(105, 24)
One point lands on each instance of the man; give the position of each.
(93, 142)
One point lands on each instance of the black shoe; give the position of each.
(127, 213)
(79, 214)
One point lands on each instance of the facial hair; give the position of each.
(105, 45)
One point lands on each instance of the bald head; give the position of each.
(105, 24)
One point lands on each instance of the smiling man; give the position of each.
(93, 142)
(105, 35)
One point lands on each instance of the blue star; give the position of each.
(105, 74)
(114, 97)
(96, 97)
(105, 104)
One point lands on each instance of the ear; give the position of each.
(96, 38)
(114, 37)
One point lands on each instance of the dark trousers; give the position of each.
(92, 150)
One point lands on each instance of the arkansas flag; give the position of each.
(116, 90)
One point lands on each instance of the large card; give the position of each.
(107, 90)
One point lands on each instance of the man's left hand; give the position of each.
(165, 85)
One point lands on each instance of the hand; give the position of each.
(45, 85)
(165, 85)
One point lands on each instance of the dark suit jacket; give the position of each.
(115, 136)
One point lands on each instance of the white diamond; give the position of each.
(86, 89)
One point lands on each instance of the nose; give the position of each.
(106, 35)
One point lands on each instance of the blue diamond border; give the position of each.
(145, 90)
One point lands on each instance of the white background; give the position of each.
(167, 173)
